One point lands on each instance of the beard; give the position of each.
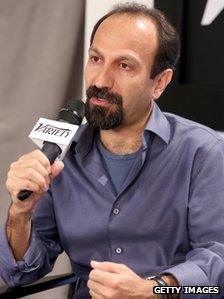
(102, 117)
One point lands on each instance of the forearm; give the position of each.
(18, 230)
(34, 243)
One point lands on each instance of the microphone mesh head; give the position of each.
(78, 106)
(73, 112)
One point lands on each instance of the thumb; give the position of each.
(56, 168)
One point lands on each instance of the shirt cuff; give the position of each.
(188, 274)
(31, 261)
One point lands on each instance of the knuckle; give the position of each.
(22, 157)
(88, 284)
(123, 267)
(46, 163)
(7, 184)
(91, 275)
(9, 174)
(40, 156)
(35, 163)
(19, 160)
(30, 186)
(43, 184)
(37, 152)
(42, 180)
(115, 284)
(13, 165)
(29, 172)
(36, 188)
(48, 179)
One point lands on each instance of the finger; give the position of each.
(108, 266)
(95, 295)
(95, 287)
(37, 154)
(31, 175)
(103, 278)
(35, 164)
(16, 184)
(56, 168)
(96, 290)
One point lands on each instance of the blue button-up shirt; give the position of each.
(168, 217)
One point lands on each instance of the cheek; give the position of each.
(87, 75)
(136, 98)
(138, 91)
(144, 90)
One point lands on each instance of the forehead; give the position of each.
(120, 33)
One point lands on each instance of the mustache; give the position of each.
(104, 93)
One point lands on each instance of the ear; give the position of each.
(161, 81)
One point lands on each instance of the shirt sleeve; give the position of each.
(42, 252)
(204, 264)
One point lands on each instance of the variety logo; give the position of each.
(52, 130)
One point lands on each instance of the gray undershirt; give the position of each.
(116, 166)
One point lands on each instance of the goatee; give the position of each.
(103, 117)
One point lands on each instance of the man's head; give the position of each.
(133, 51)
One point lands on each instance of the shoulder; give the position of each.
(196, 144)
(191, 132)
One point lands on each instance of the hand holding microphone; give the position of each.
(32, 173)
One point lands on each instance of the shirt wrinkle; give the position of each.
(149, 225)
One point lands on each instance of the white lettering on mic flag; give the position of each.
(94, 10)
(58, 132)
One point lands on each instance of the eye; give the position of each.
(125, 66)
(94, 58)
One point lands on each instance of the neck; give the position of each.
(125, 139)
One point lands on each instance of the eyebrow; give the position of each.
(120, 57)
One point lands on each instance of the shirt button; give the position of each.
(118, 250)
(116, 211)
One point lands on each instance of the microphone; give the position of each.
(55, 137)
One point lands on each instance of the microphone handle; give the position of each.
(51, 151)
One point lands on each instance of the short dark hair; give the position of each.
(168, 39)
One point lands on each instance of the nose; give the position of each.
(104, 78)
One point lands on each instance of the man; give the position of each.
(141, 193)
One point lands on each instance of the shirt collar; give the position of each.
(158, 124)
(83, 140)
